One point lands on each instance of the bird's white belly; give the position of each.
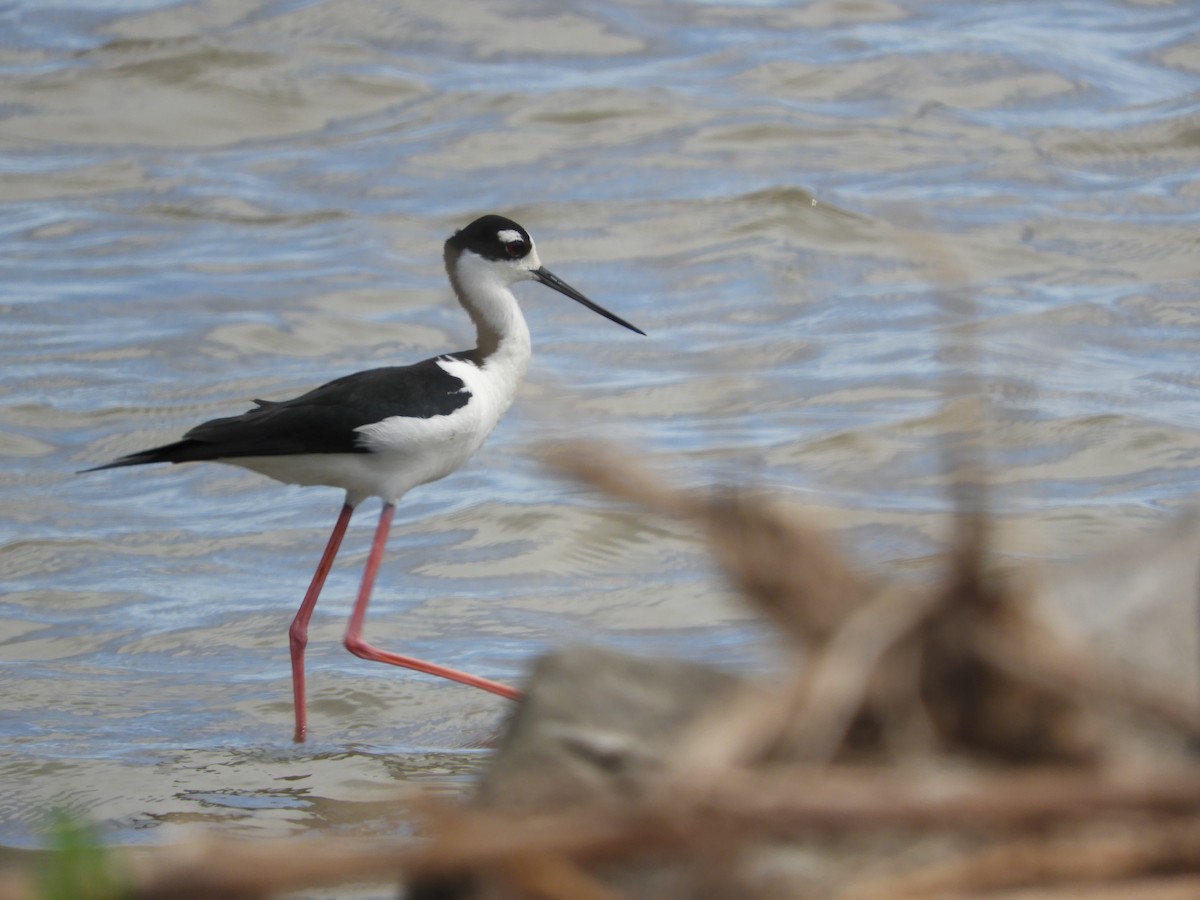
(404, 451)
(401, 453)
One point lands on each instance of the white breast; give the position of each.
(404, 451)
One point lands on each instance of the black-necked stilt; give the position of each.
(382, 432)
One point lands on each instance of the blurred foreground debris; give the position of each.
(924, 741)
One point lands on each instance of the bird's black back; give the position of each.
(324, 420)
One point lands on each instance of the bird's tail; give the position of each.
(180, 451)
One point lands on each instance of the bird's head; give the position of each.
(495, 252)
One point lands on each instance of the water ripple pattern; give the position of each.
(206, 202)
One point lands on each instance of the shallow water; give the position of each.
(208, 202)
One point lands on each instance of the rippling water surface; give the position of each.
(207, 202)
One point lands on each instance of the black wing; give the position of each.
(322, 421)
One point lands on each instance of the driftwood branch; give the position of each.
(1016, 774)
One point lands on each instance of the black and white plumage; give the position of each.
(382, 432)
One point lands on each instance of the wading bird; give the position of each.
(382, 432)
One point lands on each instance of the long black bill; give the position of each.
(549, 279)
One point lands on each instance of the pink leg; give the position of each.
(354, 641)
(298, 634)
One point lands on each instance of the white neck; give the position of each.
(485, 292)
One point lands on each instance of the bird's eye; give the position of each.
(516, 249)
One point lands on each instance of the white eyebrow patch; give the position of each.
(507, 236)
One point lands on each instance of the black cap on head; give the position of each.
(493, 237)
